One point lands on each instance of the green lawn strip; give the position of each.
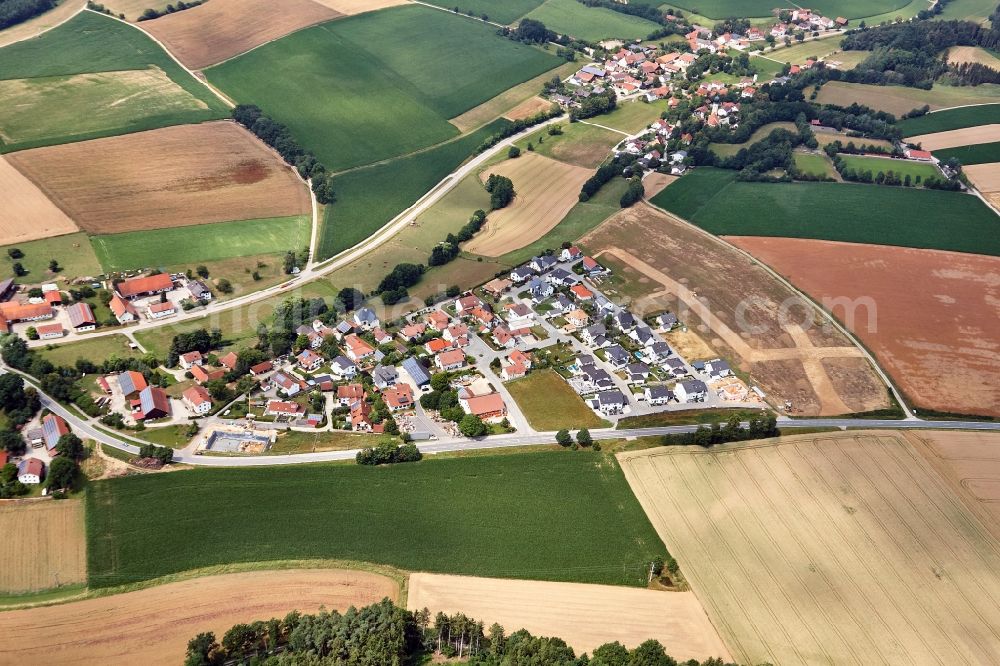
(581, 219)
(386, 96)
(581, 144)
(982, 153)
(199, 243)
(548, 516)
(549, 403)
(950, 119)
(72, 251)
(631, 117)
(906, 217)
(94, 349)
(817, 165)
(306, 442)
(173, 436)
(590, 23)
(91, 42)
(900, 168)
(507, 11)
(368, 198)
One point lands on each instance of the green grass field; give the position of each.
(818, 165)
(93, 349)
(630, 117)
(72, 251)
(507, 11)
(899, 100)
(549, 516)
(43, 103)
(977, 11)
(549, 403)
(206, 242)
(590, 23)
(581, 144)
(368, 198)
(907, 217)
(720, 9)
(982, 153)
(355, 92)
(951, 119)
(901, 168)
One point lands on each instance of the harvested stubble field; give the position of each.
(846, 548)
(43, 546)
(970, 461)
(963, 54)
(938, 343)
(213, 172)
(769, 331)
(133, 9)
(359, 6)
(47, 109)
(26, 213)
(585, 616)
(222, 29)
(153, 626)
(562, 515)
(546, 191)
(898, 100)
(966, 136)
(986, 178)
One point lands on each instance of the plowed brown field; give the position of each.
(153, 626)
(739, 309)
(26, 213)
(846, 548)
(171, 177)
(930, 317)
(585, 616)
(546, 190)
(961, 137)
(42, 547)
(222, 29)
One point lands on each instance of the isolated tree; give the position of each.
(31, 333)
(583, 437)
(54, 266)
(472, 426)
(61, 472)
(225, 286)
(563, 438)
(513, 152)
(15, 253)
(202, 271)
(70, 446)
(19, 270)
(350, 298)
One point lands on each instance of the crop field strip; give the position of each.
(27, 214)
(845, 212)
(94, 77)
(957, 138)
(950, 119)
(980, 153)
(507, 11)
(43, 545)
(548, 516)
(590, 23)
(381, 101)
(898, 100)
(905, 517)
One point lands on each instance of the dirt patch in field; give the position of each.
(844, 548)
(738, 308)
(43, 546)
(970, 461)
(222, 29)
(26, 213)
(546, 190)
(967, 136)
(212, 172)
(689, 344)
(585, 616)
(36, 26)
(360, 6)
(930, 317)
(153, 626)
(655, 181)
(528, 108)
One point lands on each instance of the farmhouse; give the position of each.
(153, 403)
(203, 375)
(123, 310)
(487, 407)
(161, 310)
(229, 361)
(15, 312)
(50, 331)
(144, 286)
(131, 383)
(280, 408)
(31, 471)
(199, 291)
(197, 400)
(53, 427)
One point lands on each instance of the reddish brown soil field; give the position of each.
(222, 29)
(933, 322)
(171, 177)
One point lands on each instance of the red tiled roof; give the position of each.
(145, 285)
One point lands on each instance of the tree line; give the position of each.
(279, 137)
(384, 634)
(517, 126)
(13, 12)
(758, 427)
(150, 13)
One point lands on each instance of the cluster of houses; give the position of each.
(42, 438)
(632, 72)
(801, 19)
(41, 311)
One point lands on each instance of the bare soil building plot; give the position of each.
(846, 548)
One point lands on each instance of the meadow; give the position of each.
(72, 251)
(952, 119)
(549, 403)
(201, 243)
(94, 349)
(548, 516)
(847, 212)
(380, 100)
(901, 168)
(581, 144)
(590, 23)
(507, 11)
(817, 165)
(93, 43)
(720, 9)
(368, 198)
(981, 153)
(977, 11)
(898, 100)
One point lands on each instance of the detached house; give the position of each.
(658, 395)
(343, 367)
(309, 360)
(366, 319)
(197, 400)
(542, 263)
(356, 348)
(81, 317)
(124, 311)
(692, 390)
(521, 274)
(452, 359)
(398, 397)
